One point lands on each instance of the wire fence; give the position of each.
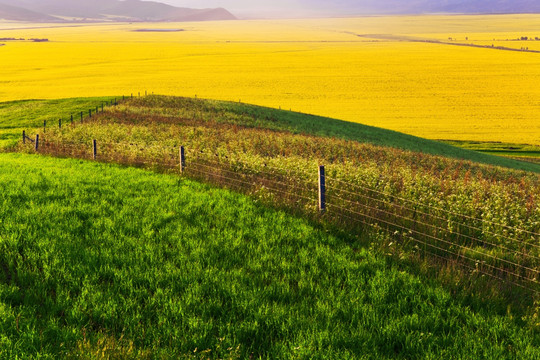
(503, 252)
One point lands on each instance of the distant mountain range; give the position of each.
(137, 10)
(99, 10)
(354, 7)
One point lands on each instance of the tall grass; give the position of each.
(99, 261)
(485, 215)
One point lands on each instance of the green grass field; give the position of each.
(100, 261)
(16, 116)
(524, 152)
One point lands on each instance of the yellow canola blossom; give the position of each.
(319, 66)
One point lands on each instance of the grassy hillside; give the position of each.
(484, 216)
(320, 126)
(98, 260)
(530, 153)
(16, 115)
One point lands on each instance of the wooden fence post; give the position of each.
(182, 159)
(322, 189)
(101, 107)
(95, 149)
(72, 118)
(24, 137)
(90, 113)
(59, 123)
(37, 142)
(44, 125)
(97, 109)
(81, 116)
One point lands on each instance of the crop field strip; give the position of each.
(430, 90)
(487, 247)
(439, 42)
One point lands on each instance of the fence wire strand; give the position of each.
(213, 174)
(313, 191)
(471, 227)
(436, 239)
(415, 221)
(436, 208)
(459, 256)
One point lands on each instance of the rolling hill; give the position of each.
(132, 10)
(16, 13)
(137, 10)
(106, 261)
(348, 7)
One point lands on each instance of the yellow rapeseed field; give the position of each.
(318, 66)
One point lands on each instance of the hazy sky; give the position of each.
(248, 7)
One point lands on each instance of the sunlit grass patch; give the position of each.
(100, 261)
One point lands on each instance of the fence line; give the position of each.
(438, 208)
(458, 256)
(471, 227)
(211, 174)
(337, 201)
(434, 238)
(274, 181)
(438, 227)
